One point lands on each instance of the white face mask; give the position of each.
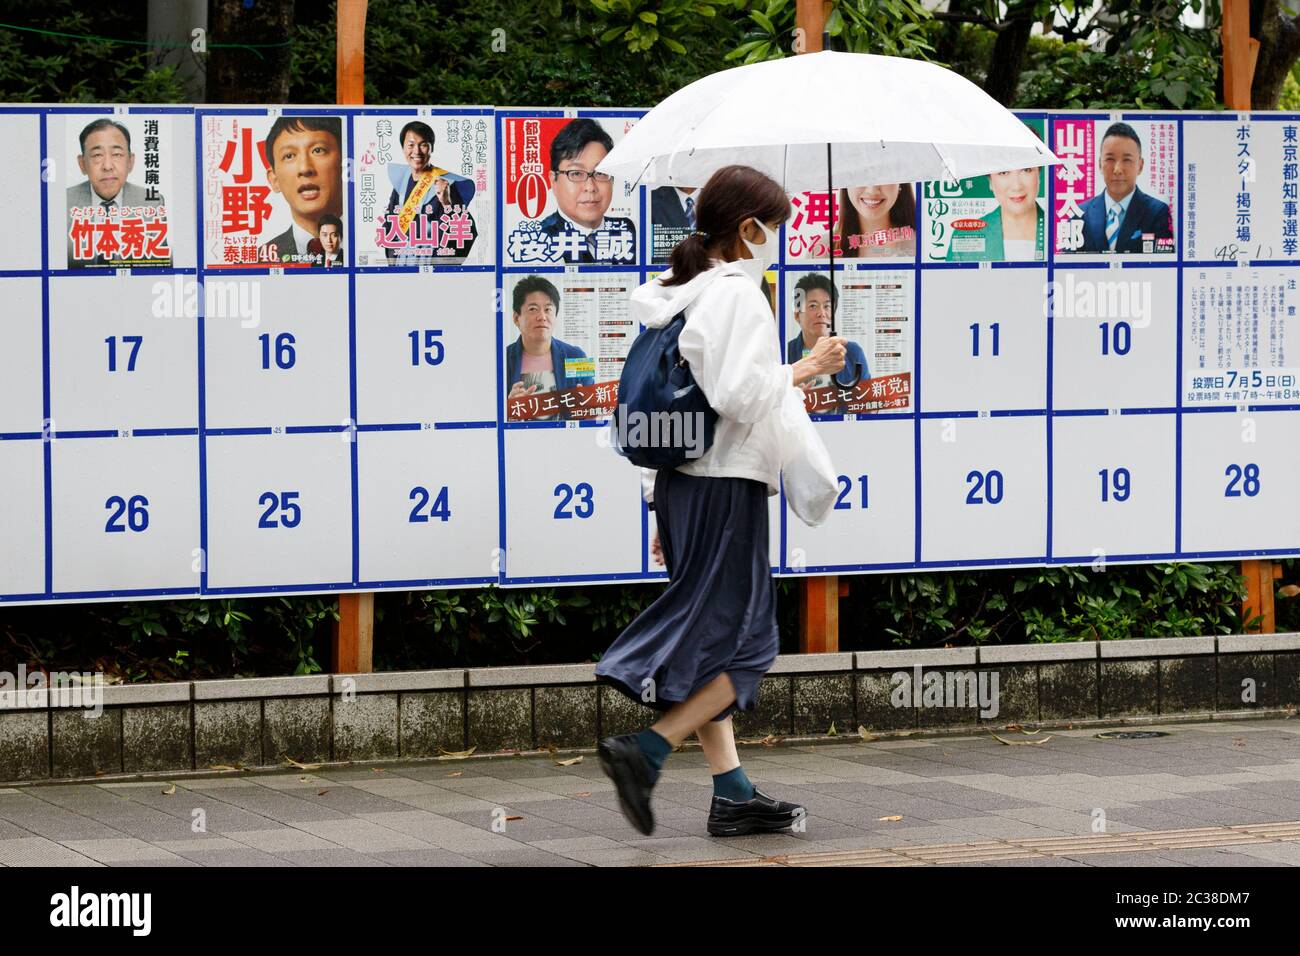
(764, 254)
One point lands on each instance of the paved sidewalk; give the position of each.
(962, 800)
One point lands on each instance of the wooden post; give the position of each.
(1239, 54)
(819, 599)
(352, 651)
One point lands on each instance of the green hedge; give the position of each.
(167, 640)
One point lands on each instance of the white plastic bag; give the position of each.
(811, 483)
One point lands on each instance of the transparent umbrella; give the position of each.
(827, 121)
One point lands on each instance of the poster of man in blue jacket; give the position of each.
(815, 299)
(537, 363)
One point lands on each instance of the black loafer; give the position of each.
(624, 763)
(761, 814)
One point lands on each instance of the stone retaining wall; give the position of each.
(173, 728)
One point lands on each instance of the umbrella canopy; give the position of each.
(885, 120)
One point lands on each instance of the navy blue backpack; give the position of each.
(662, 419)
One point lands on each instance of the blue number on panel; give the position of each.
(846, 485)
(1114, 484)
(1117, 340)
(433, 349)
(132, 340)
(440, 509)
(285, 354)
(1249, 487)
(990, 484)
(136, 511)
(975, 338)
(586, 504)
(286, 503)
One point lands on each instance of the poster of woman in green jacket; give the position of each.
(1014, 230)
(1001, 217)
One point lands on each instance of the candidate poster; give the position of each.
(423, 195)
(273, 191)
(1001, 217)
(857, 222)
(1116, 187)
(1241, 337)
(874, 314)
(119, 176)
(672, 219)
(567, 337)
(558, 208)
(1241, 183)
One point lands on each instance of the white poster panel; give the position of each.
(123, 353)
(1114, 338)
(20, 191)
(1241, 337)
(125, 513)
(1240, 473)
(1113, 485)
(427, 503)
(279, 510)
(423, 193)
(21, 405)
(983, 339)
(286, 361)
(874, 518)
(425, 347)
(573, 507)
(1241, 182)
(984, 488)
(22, 517)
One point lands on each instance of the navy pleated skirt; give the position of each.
(718, 613)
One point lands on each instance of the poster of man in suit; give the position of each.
(422, 191)
(1115, 187)
(558, 208)
(116, 213)
(268, 182)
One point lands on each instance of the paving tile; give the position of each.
(127, 850)
(38, 851)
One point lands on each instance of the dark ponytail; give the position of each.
(732, 195)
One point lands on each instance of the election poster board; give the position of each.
(251, 350)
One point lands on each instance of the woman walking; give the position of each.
(699, 651)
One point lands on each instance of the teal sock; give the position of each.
(656, 749)
(733, 785)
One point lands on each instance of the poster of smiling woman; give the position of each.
(422, 190)
(271, 185)
(558, 209)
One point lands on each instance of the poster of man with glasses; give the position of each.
(558, 209)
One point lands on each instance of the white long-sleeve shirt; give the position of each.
(730, 341)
